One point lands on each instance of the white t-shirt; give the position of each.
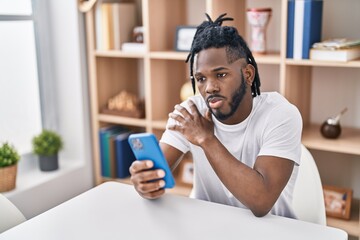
(273, 128)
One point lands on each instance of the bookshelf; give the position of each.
(157, 74)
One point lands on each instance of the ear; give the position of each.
(249, 74)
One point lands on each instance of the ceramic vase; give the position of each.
(258, 19)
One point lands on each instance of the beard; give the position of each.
(236, 99)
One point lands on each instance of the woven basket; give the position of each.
(8, 178)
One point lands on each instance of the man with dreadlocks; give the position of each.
(245, 146)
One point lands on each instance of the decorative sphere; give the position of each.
(186, 91)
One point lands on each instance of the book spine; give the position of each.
(124, 156)
(112, 158)
(298, 29)
(103, 160)
(312, 25)
(290, 29)
(107, 26)
(98, 26)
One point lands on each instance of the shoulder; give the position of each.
(273, 103)
(273, 111)
(199, 102)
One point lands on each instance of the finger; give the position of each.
(176, 117)
(154, 194)
(147, 176)
(183, 111)
(208, 115)
(148, 187)
(148, 181)
(138, 166)
(193, 108)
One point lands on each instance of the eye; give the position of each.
(200, 79)
(221, 75)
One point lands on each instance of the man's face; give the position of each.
(221, 84)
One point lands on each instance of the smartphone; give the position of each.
(146, 147)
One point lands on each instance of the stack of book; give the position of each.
(340, 49)
(303, 27)
(114, 24)
(116, 155)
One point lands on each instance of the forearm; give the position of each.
(248, 185)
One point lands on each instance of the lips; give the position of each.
(215, 102)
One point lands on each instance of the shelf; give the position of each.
(352, 226)
(118, 54)
(159, 124)
(30, 177)
(351, 64)
(348, 142)
(122, 120)
(159, 73)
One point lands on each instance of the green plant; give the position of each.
(8, 155)
(47, 143)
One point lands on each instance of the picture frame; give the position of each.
(337, 201)
(184, 37)
(186, 173)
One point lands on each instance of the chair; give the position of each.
(308, 198)
(10, 214)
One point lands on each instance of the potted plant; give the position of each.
(9, 158)
(47, 145)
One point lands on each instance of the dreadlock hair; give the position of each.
(210, 34)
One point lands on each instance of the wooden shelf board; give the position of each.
(352, 226)
(119, 54)
(354, 63)
(161, 124)
(348, 142)
(140, 122)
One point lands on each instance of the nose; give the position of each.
(212, 86)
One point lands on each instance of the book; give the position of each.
(124, 22)
(112, 154)
(98, 27)
(307, 26)
(290, 29)
(105, 151)
(341, 55)
(107, 37)
(337, 43)
(124, 155)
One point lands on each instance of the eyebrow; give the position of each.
(217, 69)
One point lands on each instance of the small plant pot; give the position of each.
(48, 163)
(8, 178)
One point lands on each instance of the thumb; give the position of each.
(208, 115)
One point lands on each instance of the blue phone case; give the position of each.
(146, 147)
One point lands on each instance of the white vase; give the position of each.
(258, 19)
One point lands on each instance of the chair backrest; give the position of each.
(308, 198)
(10, 215)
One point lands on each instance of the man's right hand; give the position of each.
(147, 182)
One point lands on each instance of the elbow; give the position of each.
(260, 209)
(260, 213)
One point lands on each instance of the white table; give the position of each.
(115, 211)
